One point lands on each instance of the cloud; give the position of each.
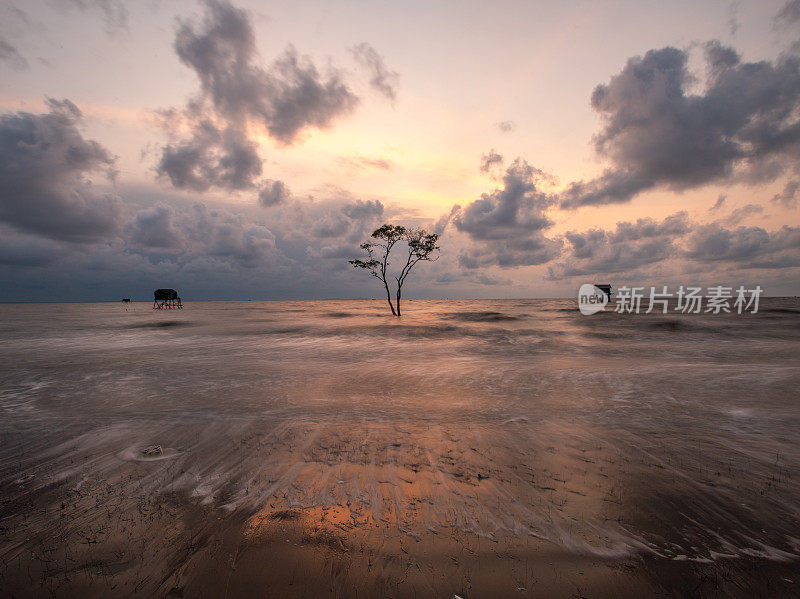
(210, 156)
(363, 162)
(656, 133)
(646, 228)
(739, 214)
(516, 210)
(272, 193)
(238, 97)
(287, 98)
(363, 210)
(350, 221)
(205, 250)
(649, 243)
(249, 246)
(747, 247)
(9, 54)
(335, 253)
(506, 126)
(230, 237)
(733, 19)
(24, 250)
(631, 245)
(510, 253)
(114, 12)
(508, 223)
(443, 221)
(721, 199)
(339, 217)
(382, 79)
(789, 14)
(300, 98)
(44, 164)
(489, 160)
(788, 197)
(153, 228)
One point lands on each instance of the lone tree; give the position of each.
(420, 244)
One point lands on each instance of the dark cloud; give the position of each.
(714, 242)
(631, 245)
(452, 275)
(489, 160)
(44, 163)
(335, 253)
(206, 251)
(747, 247)
(363, 210)
(250, 246)
(516, 210)
(272, 193)
(286, 98)
(237, 95)
(10, 55)
(351, 221)
(23, 250)
(646, 228)
(508, 223)
(301, 98)
(649, 243)
(230, 237)
(658, 134)
(153, 228)
(509, 253)
(382, 79)
(483, 279)
(788, 197)
(195, 236)
(210, 157)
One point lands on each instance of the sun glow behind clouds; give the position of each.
(362, 161)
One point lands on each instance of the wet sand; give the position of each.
(369, 509)
(387, 478)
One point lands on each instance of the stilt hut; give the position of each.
(166, 299)
(605, 288)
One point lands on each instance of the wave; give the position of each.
(164, 324)
(482, 316)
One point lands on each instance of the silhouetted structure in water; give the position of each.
(605, 289)
(166, 298)
(126, 300)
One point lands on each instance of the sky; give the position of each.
(244, 150)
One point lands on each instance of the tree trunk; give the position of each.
(389, 299)
(398, 300)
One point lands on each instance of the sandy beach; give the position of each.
(475, 449)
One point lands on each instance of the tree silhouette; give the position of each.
(421, 246)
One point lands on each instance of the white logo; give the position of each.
(591, 299)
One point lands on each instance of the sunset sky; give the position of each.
(243, 150)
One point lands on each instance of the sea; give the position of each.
(609, 434)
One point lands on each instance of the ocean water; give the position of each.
(610, 434)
